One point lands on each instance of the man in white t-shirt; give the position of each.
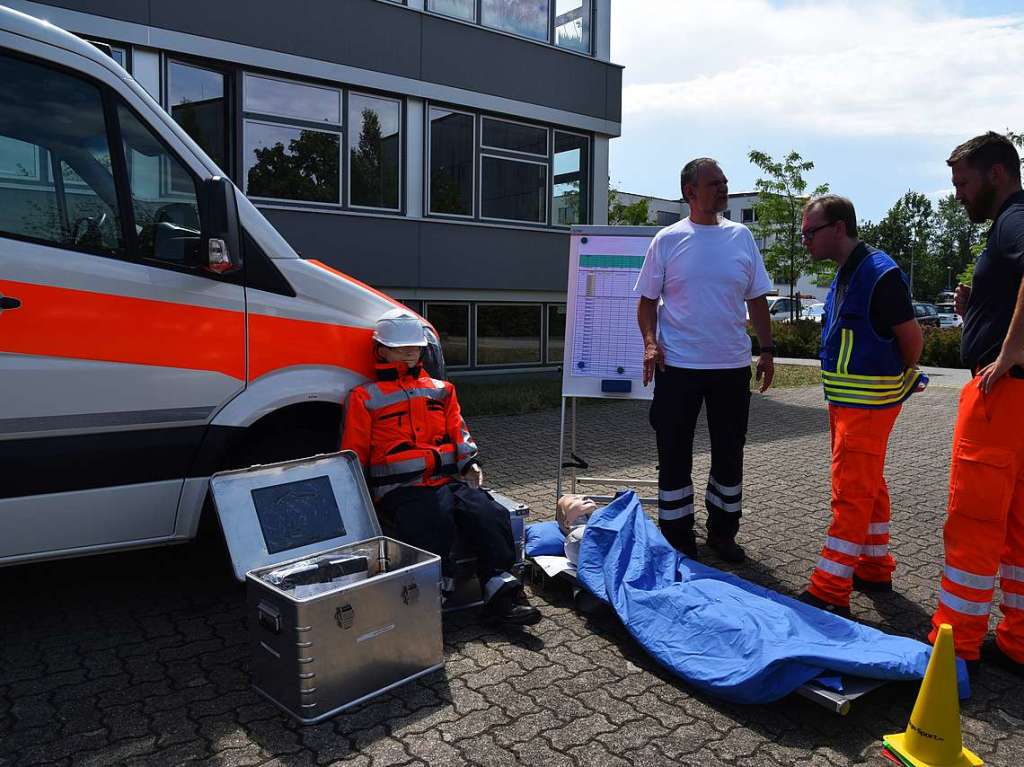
(696, 278)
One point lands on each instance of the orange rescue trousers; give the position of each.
(858, 538)
(984, 533)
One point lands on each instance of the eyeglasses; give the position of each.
(808, 234)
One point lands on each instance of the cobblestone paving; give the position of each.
(140, 658)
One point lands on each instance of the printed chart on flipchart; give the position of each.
(607, 342)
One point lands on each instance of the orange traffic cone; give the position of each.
(932, 737)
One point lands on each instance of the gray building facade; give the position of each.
(438, 150)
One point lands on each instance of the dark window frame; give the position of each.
(542, 339)
(347, 192)
(550, 38)
(230, 88)
(470, 329)
(588, 205)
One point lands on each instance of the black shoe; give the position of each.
(871, 587)
(680, 536)
(727, 548)
(809, 599)
(993, 654)
(512, 608)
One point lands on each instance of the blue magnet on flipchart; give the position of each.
(581, 364)
(614, 386)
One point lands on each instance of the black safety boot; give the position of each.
(680, 536)
(809, 599)
(992, 654)
(871, 587)
(727, 548)
(512, 608)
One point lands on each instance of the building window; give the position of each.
(571, 184)
(290, 163)
(196, 101)
(375, 152)
(508, 334)
(527, 18)
(747, 215)
(572, 25)
(451, 162)
(556, 333)
(452, 324)
(514, 137)
(513, 190)
(460, 9)
(567, 25)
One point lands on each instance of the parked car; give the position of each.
(927, 315)
(814, 312)
(948, 318)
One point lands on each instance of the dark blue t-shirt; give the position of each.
(997, 276)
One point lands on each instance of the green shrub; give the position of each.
(941, 348)
(793, 339)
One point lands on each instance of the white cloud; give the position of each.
(829, 68)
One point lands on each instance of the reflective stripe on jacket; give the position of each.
(407, 429)
(858, 368)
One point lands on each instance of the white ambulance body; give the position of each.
(154, 327)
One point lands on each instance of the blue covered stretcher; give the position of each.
(724, 635)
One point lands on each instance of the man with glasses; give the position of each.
(702, 270)
(870, 345)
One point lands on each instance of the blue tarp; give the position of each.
(720, 633)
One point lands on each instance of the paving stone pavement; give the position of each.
(140, 658)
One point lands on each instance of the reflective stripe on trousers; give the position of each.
(984, 531)
(858, 537)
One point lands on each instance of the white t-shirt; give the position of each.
(703, 274)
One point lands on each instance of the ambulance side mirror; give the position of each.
(220, 249)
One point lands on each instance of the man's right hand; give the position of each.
(653, 356)
(961, 297)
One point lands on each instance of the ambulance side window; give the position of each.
(163, 195)
(56, 180)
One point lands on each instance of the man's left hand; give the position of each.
(996, 370)
(474, 476)
(765, 371)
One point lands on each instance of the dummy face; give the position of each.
(570, 508)
(410, 355)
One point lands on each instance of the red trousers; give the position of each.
(858, 538)
(984, 533)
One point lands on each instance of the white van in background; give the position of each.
(154, 327)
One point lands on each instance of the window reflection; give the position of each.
(290, 163)
(451, 162)
(452, 324)
(507, 334)
(571, 189)
(572, 25)
(374, 152)
(195, 97)
(513, 190)
(289, 99)
(528, 18)
(460, 9)
(556, 332)
(515, 137)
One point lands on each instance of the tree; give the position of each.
(782, 192)
(636, 214)
(308, 170)
(955, 239)
(905, 233)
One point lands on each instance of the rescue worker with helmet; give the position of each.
(422, 470)
(984, 532)
(870, 346)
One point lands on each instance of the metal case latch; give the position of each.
(269, 617)
(410, 593)
(344, 616)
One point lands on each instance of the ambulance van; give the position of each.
(154, 327)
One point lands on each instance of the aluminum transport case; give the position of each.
(337, 612)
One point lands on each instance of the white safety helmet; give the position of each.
(399, 328)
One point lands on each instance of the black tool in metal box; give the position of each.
(338, 613)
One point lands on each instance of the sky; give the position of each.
(875, 93)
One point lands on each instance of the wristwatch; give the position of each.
(768, 350)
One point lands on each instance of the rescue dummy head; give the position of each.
(398, 337)
(572, 513)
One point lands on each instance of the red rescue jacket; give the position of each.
(407, 429)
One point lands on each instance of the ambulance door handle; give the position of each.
(9, 302)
